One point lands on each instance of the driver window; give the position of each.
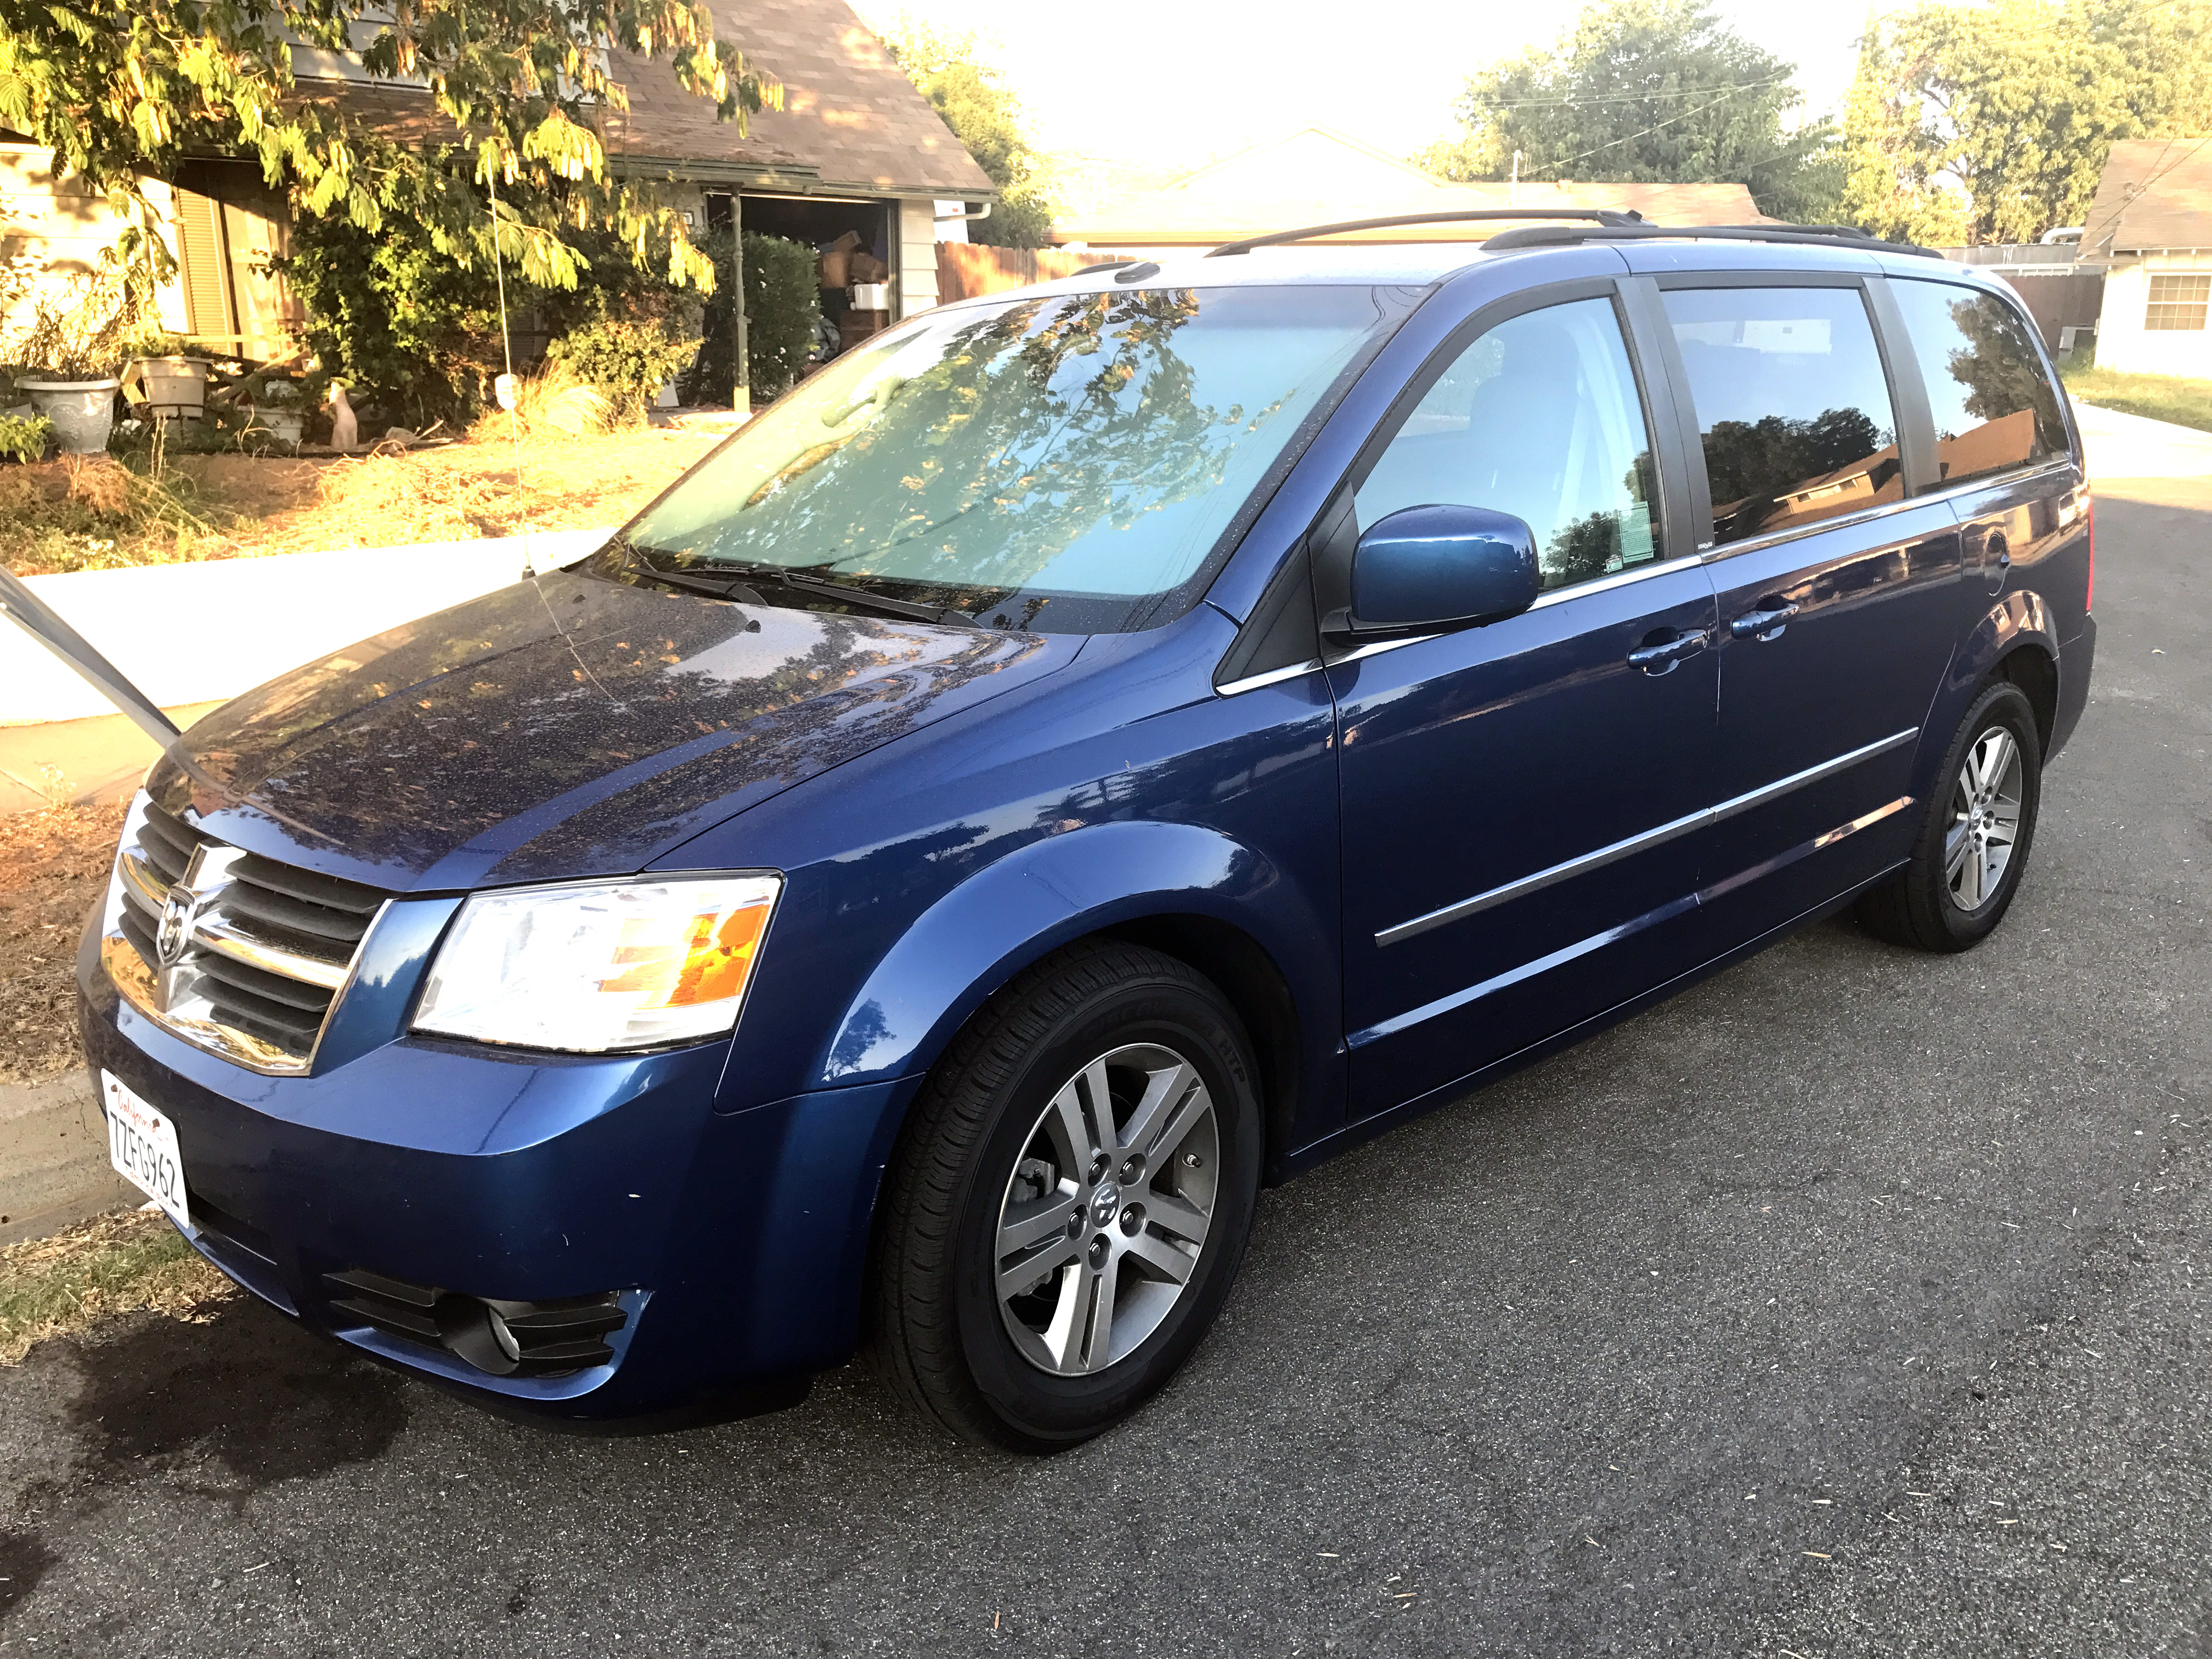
(1538, 417)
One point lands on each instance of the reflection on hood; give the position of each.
(566, 727)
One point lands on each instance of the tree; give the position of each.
(1991, 123)
(985, 115)
(1645, 91)
(122, 90)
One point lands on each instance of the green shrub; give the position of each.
(24, 436)
(783, 308)
(414, 333)
(628, 361)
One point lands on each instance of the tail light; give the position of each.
(2089, 591)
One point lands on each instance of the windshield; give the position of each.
(1060, 462)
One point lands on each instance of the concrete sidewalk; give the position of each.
(2122, 445)
(193, 636)
(53, 1158)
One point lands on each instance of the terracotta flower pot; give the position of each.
(82, 411)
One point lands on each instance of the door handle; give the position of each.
(1657, 656)
(1767, 622)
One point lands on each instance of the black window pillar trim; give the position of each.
(1686, 494)
(1908, 390)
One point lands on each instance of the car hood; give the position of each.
(566, 726)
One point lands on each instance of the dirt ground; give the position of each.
(53, 868)
(75, 515)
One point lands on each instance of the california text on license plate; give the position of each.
(141, 1145)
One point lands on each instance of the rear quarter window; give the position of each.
(1995, 407)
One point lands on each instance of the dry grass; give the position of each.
(99, 515)
(553, 403)
(53, 869)
(125, 1262)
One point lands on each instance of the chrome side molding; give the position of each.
(1656, 836)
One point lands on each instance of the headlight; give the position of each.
(589, 968)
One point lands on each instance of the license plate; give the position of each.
(141, 1145)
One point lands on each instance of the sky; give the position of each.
(1178, 84)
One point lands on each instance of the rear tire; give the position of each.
(1975, 832)
(1070, 1201)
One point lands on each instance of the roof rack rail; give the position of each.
(1609, 218)
(1816, 235)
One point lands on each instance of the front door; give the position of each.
(1838, 597)
(1522, 802)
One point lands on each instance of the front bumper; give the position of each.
(737, 1241)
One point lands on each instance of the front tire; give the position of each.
(1974, 835)
(1070, 1201)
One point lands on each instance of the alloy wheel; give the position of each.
(1985, 818)
(1107, 1209)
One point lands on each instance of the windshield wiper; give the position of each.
(861, 596)
(730, 587)
(738, 586)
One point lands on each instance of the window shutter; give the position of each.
(206, 262)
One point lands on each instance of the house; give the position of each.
(1321, 176)
(855, 148)
(2150, 230)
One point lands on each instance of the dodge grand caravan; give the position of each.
(1091, 753)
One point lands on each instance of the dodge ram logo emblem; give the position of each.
(179, 913)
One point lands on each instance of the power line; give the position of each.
(1612, 143)
(1628, 97)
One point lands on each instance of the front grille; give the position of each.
(502, 1338)
(258, 949)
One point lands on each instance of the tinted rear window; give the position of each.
(1994, 406)
(1791, 402)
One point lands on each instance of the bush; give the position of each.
(414, 333)
(24, 436)
(630, 361)
(553, 401)
(783, 310)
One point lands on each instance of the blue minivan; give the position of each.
(1091, 753)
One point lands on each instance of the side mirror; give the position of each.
(1435, 567)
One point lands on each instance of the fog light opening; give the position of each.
(500, 1334)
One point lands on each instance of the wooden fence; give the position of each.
(965, 270)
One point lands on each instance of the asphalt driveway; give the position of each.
(1844, 1305)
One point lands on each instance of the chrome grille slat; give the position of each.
(258, 1014)
(309, 887)
(222, 935)
(259, 949)
(249, 899)
(270, 987)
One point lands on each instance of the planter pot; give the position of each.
(285, 426)
(176, 387)
(82, 411)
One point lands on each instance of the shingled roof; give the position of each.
(2154, 193)
(851, 122)
(850, 113)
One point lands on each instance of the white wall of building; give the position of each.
(952, 225)
(2123, 342)
(60, 225)
(917, 257)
